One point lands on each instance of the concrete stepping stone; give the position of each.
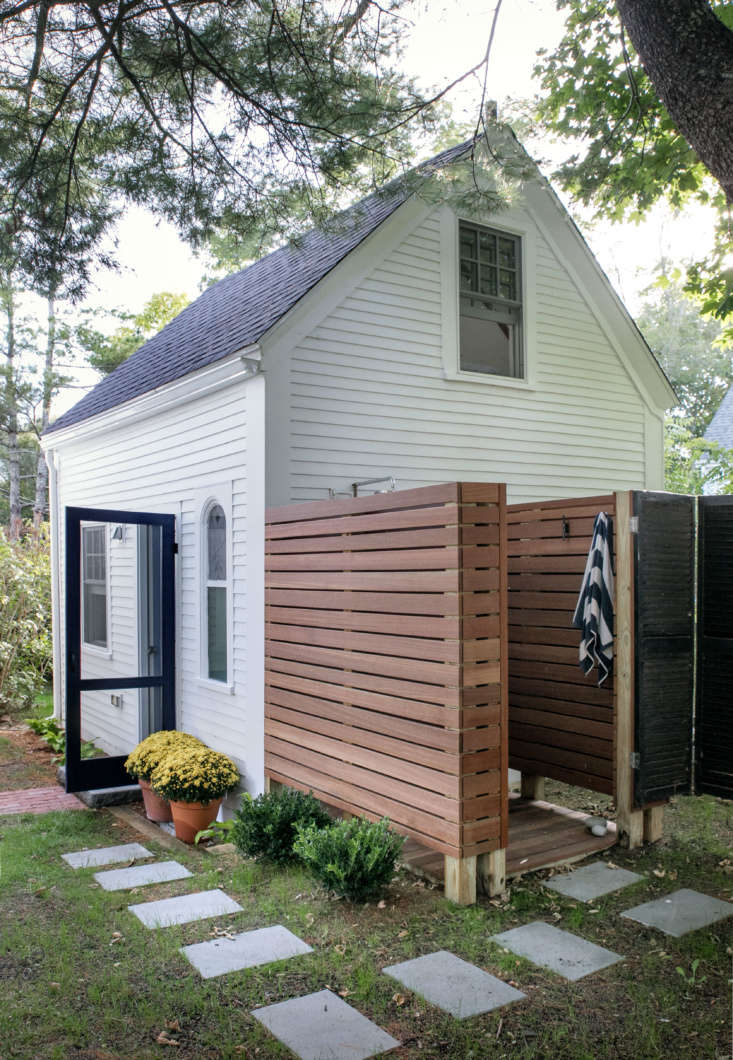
(453, 984)
(682, 911)
(251, 948)
(141, 875)
(320, 1026)
(85, 859)
(187, 907)
(592, 881)
(560, 951)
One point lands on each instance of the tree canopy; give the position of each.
(210, 112)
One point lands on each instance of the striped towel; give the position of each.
(594, 610)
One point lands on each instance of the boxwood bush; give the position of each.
(266, 826)
(356, 858)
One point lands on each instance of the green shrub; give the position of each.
(355, 858)
(54, 734)
(50, 731)
(267, 826)
(25, 620)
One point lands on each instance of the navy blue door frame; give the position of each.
(83, 775)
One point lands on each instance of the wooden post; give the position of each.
(460, 880)
(491, 870)
(533, 786)
(653, 823)
(629, 820)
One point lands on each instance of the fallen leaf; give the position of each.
(399, 999)
(402, 934)
(172, 1025)
(344, 993)
(382, 904)
(164, 1039)
(659, 873)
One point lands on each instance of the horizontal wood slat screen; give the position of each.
(386, 659)
(561, 725)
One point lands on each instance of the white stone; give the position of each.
(323, 1027)
(187, 907)
(141, 875)
(453, 984)
(251, 948)
(84, 859)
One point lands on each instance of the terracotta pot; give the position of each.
(156, 807)
(190, 817)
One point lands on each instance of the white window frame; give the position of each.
(105, 650)
(221, 496)
(513, 225)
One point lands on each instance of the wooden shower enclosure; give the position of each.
(418, 643)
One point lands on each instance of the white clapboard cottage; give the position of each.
(410, 340)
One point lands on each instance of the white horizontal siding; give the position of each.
(367, 394)
(170, 462)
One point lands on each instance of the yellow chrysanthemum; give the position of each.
(151, 751)
(195, 774)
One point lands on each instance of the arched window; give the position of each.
(216, 593)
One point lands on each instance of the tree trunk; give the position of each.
(40, 504)
(11, 412)
(687, 54)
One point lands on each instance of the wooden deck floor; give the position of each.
(541, 835)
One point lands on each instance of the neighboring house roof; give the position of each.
(237, 311)
(720, 428)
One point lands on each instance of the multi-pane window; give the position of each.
(490, 301)
(94, 584)
(216, 593)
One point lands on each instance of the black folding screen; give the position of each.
(683, 645)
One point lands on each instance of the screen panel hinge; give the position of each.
(634, 759)
(634, 524)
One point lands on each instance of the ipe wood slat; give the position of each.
(446, 516)
(555, 653)
(544, 718)
(353, 799)
(446, 696)
(350, 542)
(568, 776)
(367, 622)
(368, 581)
(545, 528)
(558, 690)
(437, 603)
(561, 738)
(421, 497)
(370, 739)
(371, 779)
(410, 559)
(524, 635)
(407, 669)
(589, 506)
(590, 765)
(345, 640)
(432, 736)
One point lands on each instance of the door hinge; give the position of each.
(634, 524)
(175, 548)
(634, 759)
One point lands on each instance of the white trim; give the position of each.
(223, 373)
(449, 255)
(102, 651)
(204, 500)
(255, 574)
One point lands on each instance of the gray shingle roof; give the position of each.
(238, 310)
(720, 428)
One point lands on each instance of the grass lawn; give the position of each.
(81, 977)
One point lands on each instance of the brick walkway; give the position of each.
(38, 800)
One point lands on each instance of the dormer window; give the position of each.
(490, 294)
